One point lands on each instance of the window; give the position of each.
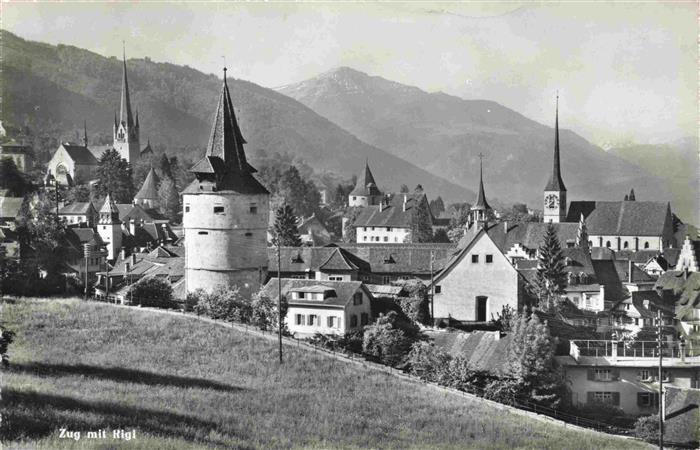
(364, 228)
(386, 238)
(300, 319)
(249, 234)
(353, 320)
(335, 278)
(330, 320)
(301, 294)
(438, 289)
(313, 319)
(646, 244)
(364, 319)
(386, 279)
(396, 239)
(364, 238)
(607, 244)
(253, 208)
(603, 397)
(475, 258)
(218, 210)
(489, 258)
(625, 245)
(298, 277)
(644, 374)
(603, 374)
(357, 298)
(104, 227)
(187, 208)
(388, 228)
(354, 198)
(202, 232)
(648, 399)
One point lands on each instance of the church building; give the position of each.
(555, 191)
(366, 192)
(225, 212)
(126, 129)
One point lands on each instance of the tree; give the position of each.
(164, 166)
(12, 179)
(6, 338)
(152, 291)
(302, 195)
(389, 339)
(224, 303)
(78, 194)
(437, 206)
(647, 428)
(404, 189)
(550, 280)
(285, 229)
(531, 361)
(421, 222)
(114, 177)
(415, 304)
(441, 236)
(264, 312)
(169, 199)
(349, 232)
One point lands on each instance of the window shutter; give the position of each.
(591, 375)
(615, 374)
(616, 398)
(640, 402)
(589, 397)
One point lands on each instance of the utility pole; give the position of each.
(279, 296)
(106, 278)
(432, 290)
(661, 382)
(87, 252)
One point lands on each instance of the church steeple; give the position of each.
(125, 110)
(126, 130)
(480, 209)
(85, 138)
(555, 191)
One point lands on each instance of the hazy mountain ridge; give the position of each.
(445, 134)
(65, 85)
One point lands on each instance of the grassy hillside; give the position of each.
(57, 87)
(181, 384)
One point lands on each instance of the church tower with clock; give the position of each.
(555, 191)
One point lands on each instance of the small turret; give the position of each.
(479, 212)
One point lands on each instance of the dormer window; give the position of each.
(389, 260)
(297, 259)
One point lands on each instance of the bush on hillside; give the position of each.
(416, 304)
(224, 303)
(264, 312)
(647, 428)
(155, 292)
(504, 390)
(428, 362)
(6, 338)
(389, 339)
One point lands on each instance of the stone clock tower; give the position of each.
(555, 191)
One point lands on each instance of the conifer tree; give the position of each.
(421, 223)
(551, 276)
(285, 229)
(114, 175)
(169, 198)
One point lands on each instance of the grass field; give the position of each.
(181, 384)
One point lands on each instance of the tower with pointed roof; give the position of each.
(366, 192)
(555, 191)
(225, 211)
(126, 128)
(478, 213)
(147, 196)
(109, 227)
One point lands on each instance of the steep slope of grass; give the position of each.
(181, 384)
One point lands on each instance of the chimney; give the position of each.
(629, 271)
(505, 226)
(133, 259)
(123, 254)
(405, 196)
(132, 227)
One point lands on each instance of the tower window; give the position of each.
(253, 208)
(187, 208)
(203, 232)
(249, 234)
(218, 210)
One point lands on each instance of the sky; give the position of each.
(625, 71)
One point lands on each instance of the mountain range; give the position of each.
(445, 134)
(58, 87)
(333, 122)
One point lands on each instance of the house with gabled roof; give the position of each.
(392, 220)
(317, 263)
(689, 256)
(73, 164)
(326, 307)
(79, 213)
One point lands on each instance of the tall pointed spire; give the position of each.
(125, 110)
(366, 185)
(226, 141)
(481, 202)
(556, 183)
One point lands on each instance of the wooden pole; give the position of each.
(432, 290)
(661, 383)
(279, 296)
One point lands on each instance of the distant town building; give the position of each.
(328, 307)
(79, 213)
(109, 228)
(225, 211)
(366, 192)
(313, 232)
(22, 155)
(689, 257)
(392, 220)
(73, 164)
(9, 211)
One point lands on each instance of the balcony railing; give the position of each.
(632, 349)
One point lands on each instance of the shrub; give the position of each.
(428, 362)
(225, 303)
(193, 298)
(6, 338)
(156, 292)
(504, 390)
(647, 428)
(415, 305)
(264, 312)
(460, 375)
(389, 339)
